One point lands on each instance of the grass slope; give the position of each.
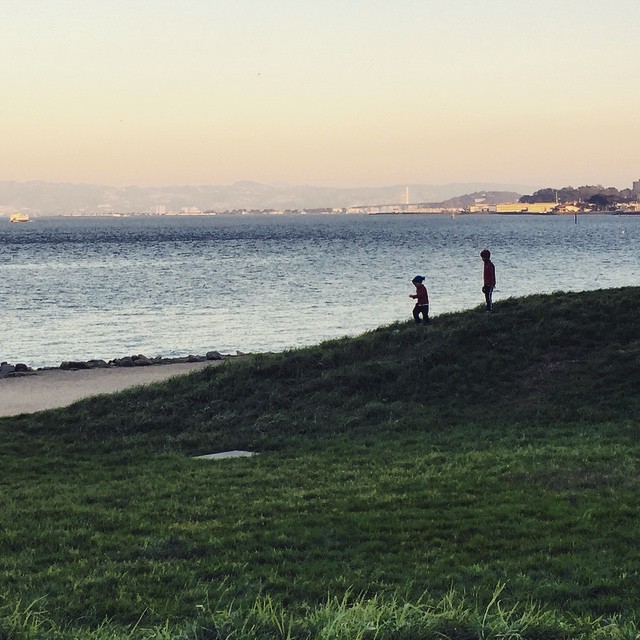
(422, 467)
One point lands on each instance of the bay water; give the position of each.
(74, 288)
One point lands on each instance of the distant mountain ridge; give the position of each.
(49, 198)
(481, 197)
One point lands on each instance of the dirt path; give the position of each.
(56, 388)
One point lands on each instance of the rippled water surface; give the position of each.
(78, 288)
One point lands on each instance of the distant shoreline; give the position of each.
(300, 213)
(20, 369)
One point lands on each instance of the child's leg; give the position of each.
(488, 295)
(421, 309)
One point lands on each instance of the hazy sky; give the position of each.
(322, 92)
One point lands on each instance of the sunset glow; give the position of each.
(333, 93)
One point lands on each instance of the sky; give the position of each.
(340, 93)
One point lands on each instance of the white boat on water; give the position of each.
(19, 217)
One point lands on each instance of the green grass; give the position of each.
(477, 478)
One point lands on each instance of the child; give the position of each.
(422, 301)
(488, 278)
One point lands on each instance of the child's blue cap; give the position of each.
(418, 279)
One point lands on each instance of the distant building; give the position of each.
(159, 210)
(636, 188)
(569, 208)
(526, 207)
(190, 211)
(481, 207)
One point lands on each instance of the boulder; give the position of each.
(6, 369)
(72, 365)
(214, 355)
(142, 361)
(97, 364)
(122, 362)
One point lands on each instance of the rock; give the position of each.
(22, 368)
(122, 362)
(196, 358)
(142, 361)
(74, 365)
(6, 369)
(213, 355)
(97, 364)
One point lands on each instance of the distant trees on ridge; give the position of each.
(600, 197)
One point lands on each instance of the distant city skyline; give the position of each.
(45, 198)
(328, 94)
(39, 197)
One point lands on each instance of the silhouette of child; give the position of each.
(421, 297)
(488, 278)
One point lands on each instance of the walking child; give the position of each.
(421, 297)
(488, 278)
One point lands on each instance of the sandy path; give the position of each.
(57, 388)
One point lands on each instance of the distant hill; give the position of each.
(47, 198)
(480, 197)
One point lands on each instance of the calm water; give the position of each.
(79, 288)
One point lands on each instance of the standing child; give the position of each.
(488, 278)
(422, 301)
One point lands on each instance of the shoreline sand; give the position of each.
(55, 388)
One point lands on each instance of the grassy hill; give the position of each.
(475, 478)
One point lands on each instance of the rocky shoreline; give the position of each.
(20, 369)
